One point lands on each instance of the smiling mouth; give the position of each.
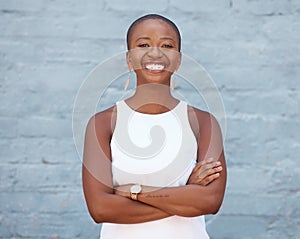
(155, 67)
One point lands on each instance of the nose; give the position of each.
(155, 52)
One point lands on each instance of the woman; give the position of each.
(165, 189)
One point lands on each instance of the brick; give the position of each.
(263, 78)
(45, 202)
(16, 151)
(64, 26)
(269, 153)
(7, 177)
(49, 177)
(19, 5)
(5, 227)
(247, 55)
(264, 128)
(249, 227)
(198, 29)
(44, 127)
(13, 51)
(8, 127)
(268, 7)
(49, 225)
(259, 205)
(50, 77)
(71, 8)
(248, 180)
(132, 5)
(44, 50)
(206, 7)
(276, 103)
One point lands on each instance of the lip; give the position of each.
(154, 66)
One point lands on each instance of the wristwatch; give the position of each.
(134, 191)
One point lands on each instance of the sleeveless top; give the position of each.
(154, 150)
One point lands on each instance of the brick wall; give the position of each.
(250, 48)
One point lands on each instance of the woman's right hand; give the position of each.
(205, 172)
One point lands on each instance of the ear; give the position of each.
(128, 60)
(178, 63)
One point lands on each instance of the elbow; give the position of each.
(99, 215)
(215, 209)
(214, 205)
(97, 219)
(100, 209)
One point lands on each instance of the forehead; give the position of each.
(153, 27)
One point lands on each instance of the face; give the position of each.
(153, 53)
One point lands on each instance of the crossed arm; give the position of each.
(203, 193)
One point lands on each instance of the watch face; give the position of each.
(136, 189)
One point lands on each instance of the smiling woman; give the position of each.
(153, 50)
(153, 166)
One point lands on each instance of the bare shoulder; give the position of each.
(200, 114)
(104, 121)
(201, 120)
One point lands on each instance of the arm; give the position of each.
(192, 199)
(103, 204)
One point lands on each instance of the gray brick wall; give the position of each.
(251, 49)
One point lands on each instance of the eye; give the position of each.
(167, 46)
(143, 45)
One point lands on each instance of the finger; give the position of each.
(209, 160)
(215, 170)
(218, 169)
(203, 162)
(206, 173)
(198, 166)
(208, 166)
(210, 179)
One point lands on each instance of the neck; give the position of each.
(152, 98)
(153, 93)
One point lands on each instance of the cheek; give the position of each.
(136, 59)
(136, 62)
(174, 59)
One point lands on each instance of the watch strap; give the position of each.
(134, 196)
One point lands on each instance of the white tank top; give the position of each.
(154, 150)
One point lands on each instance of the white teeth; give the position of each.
(155, 67)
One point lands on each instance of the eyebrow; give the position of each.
(148, 38)
(142, 38)
(167, 38)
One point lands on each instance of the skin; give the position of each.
(204, 191)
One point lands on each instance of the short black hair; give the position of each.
(153, 16)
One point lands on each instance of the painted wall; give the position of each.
(250, 48)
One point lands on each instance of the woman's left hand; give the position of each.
(205, 172)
